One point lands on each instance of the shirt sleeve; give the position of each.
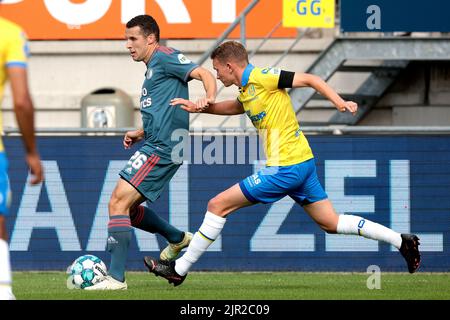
(177, 65)
(269, 78)
(17, 52)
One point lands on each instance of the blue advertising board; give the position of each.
(402, 182)
(398, 15)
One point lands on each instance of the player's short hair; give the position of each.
(230, 51)
(147, 24)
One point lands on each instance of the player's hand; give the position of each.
(37, 172)
(203, 104)
(185, 104)
(349, 106)
(132, 137)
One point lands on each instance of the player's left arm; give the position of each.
(299, 80)
(24, 111)
(210, 85)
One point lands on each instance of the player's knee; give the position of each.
(116, 205)
(328, 228)
(215, 205)
(112, 205)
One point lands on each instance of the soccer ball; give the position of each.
(86, 271)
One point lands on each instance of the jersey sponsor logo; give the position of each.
(182, 58)
(145, 103)
(256, 117)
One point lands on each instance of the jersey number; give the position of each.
(137, 160)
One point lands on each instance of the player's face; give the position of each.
(137, 43)
(224, 73)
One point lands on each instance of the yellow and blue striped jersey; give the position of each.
(13, 53)
(271, 112)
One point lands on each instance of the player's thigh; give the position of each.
(323, 213)
(228, 201)
(309, 190)
(124, 196)
(269, 184)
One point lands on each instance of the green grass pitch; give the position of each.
(244, 286)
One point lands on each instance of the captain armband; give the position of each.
(286, 79)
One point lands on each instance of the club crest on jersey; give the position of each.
(149, 73)
(274, 71)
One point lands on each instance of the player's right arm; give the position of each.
(24, 111)
(300, 80)
(131, 137)
(224, 108)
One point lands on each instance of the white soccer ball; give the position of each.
(86, 271)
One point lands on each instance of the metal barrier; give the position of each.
(239, 20)
(335, 130)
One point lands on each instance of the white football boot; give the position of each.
(108, 283)
(6, 293)
(173, 249)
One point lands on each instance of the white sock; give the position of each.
(5, 266)
(349, 224)
(208, 232)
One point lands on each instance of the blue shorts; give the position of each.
(5, 193)
(271, 184)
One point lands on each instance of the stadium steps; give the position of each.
(376, 62)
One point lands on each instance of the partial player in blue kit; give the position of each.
(13, 68)
(151, 167)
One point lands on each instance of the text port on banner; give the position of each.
(308, 13)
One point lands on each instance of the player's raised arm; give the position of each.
(315, 82)
(225, 108)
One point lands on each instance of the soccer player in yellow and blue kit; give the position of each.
(290, 169)
(13, 67)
